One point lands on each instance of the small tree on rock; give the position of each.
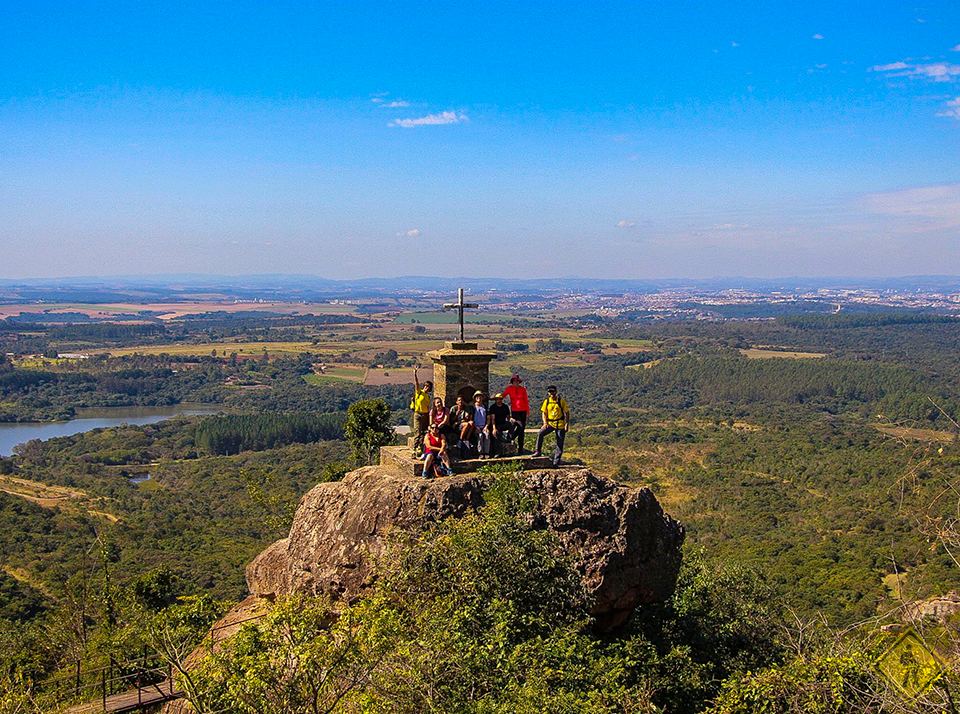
(368, 428)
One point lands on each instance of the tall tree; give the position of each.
(368, 428)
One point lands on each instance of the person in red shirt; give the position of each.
(519, 406)
(436, 458)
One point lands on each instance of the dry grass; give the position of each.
(647, 365)
(49, 496)
(536, 362)
(24, 577)
(399, 375)
(903, 432)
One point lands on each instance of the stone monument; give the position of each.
(460, 368)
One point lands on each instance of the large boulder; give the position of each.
(627, 549)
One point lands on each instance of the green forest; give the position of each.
(820, 498)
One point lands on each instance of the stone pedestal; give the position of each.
(460, 369)
(399, 459)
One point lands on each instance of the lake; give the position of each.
(87, 419)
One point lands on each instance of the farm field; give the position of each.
(646, 365)
(381, 377)
(449, 317)
(336, 374)
(221, 348)
(536, 362)
(172, 311)
(756, 353)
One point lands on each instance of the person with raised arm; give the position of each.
(420, 405)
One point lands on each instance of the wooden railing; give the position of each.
(92, 683)
(143, 674)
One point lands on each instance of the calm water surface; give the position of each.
(87, 419)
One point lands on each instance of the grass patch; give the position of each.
(756, 353)
(336, 374)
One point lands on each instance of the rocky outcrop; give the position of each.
(627, 549)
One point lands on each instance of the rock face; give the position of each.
(627, 549)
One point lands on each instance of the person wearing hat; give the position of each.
(480, 420)
(420, 405)
(502, 427)
(519, 406)
(556, 418)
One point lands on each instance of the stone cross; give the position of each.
(459, 306)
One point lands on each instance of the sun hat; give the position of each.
(498, 395)
(516, 377)
(477, 393)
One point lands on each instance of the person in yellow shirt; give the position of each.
(420, 404)
(556, 419)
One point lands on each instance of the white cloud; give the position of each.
(412, 233)
(376, 100)
(888, 67)
(952, 109)
(447, 117)
(818, 36)
(397, 103)
(955, 49)
(936, 71)
(936, 205)
(734, 44)
(626, 224)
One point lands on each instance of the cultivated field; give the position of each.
(757, 353)
(350, 373)
(380, 377)
(172, 311)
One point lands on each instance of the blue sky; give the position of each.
(628, 140)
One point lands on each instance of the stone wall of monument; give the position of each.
(465, 375)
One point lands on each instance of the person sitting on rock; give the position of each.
(503, 428)
(556, 418)
(480, 426)
(461, 417)
(440, 416)
(436, 459)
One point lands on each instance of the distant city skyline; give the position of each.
(624, 141)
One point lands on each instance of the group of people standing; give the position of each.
(480, 429)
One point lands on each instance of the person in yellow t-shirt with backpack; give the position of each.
(556, 419)
(420, 405)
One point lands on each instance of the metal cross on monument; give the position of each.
(459, 306)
